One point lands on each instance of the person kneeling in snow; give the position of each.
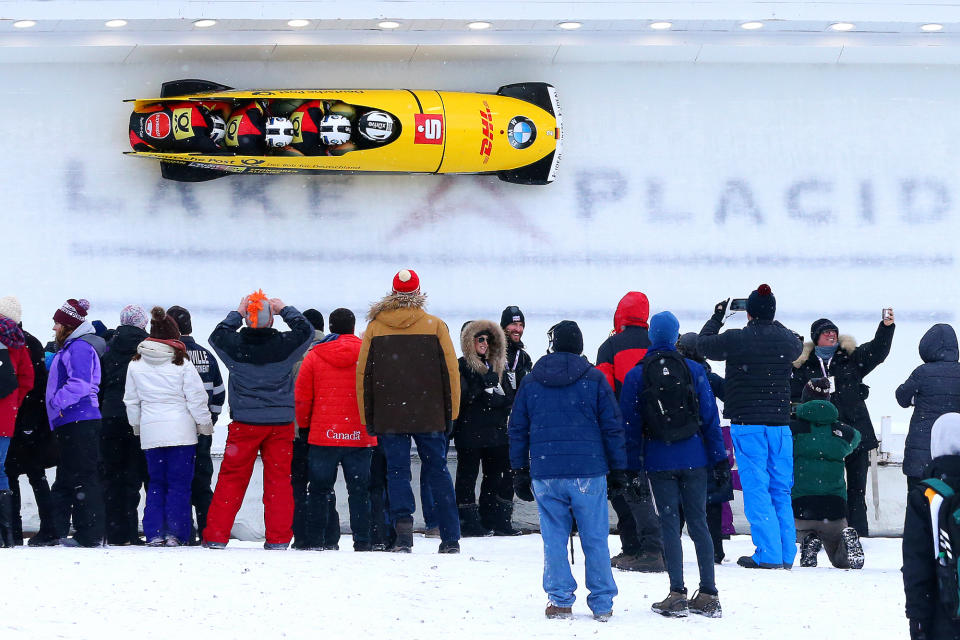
(566, 434)
(820, 445)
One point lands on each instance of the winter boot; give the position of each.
(432, 532)
(470, 526)
(747, 562)
(854, 549)
(603, 617)
(706, 604)
(674, 605)
(6, 519)
(553, 611)
(644, 563)
(809, 548)
(503, 525)
(404, 541)
(449, 547)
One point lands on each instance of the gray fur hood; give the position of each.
(847, 343)
(396, 301)
(496, 351)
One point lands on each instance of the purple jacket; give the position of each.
(74, 381)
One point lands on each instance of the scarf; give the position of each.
(825, 353)
(10, 334)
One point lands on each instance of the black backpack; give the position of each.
(671, 410)
(8, 377)
(945, 516)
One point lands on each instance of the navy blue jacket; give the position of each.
(209, 371)
(565, 421)
(759, 364)
(698, 450)
(933, 389)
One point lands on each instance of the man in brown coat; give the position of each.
(408, 388)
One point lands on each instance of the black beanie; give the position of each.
(565, 336)
(816, 389)
(761, 304)
(342, 321)
(819, 327)
(315, 318)
(510, 315)
(182, 318)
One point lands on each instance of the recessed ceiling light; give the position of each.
(113, 24)
(297, 23)
(203, 24)
(388, 24)
(842, 26)
(569, 26)
(661, 26)
(750, 26)
(931, 27)
(24, 24)
(478, 26)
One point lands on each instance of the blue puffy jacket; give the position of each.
(759, 365)
(565, 421)
(699, 450)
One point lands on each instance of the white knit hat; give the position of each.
(10, 307)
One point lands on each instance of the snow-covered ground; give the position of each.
(491, 590)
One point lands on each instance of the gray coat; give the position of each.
(932, 389)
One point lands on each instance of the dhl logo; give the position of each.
(486, 145)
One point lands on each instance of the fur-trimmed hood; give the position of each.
(847, 343)
(496, 350)
(398, 302)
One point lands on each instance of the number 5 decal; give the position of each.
(429, 128)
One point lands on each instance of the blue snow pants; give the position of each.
(765, 461)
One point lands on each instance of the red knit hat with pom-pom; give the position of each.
(761, 304)
(406, 281)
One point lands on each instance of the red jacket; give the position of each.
(326, 395)
(628, 344)
(20, 357)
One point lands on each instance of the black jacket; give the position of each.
(33, 445)
(518, 362)
(919, 565)
(206, 365)
(484, 403)
(933, 389)
(113, 378)
(759, 363)
(849, 365)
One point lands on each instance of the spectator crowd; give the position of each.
(131, 411)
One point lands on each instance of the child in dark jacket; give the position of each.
(820, 444)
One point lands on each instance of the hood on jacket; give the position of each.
(560, 369)
(155, 352)
(126, 339)
(398, 310)
(939, 344)
(945, 436)
(89, 334)
(664, 330)
(818, 412)
(496, 346)
(339, 351)
(845, 343)
(633, 311)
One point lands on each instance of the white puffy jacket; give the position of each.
(167, 402)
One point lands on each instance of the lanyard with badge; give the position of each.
(825, 367)
(512, 371)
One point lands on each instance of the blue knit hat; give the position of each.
(664, 329)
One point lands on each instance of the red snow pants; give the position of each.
(244, 441)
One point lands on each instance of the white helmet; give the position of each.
(218, 128)
(335, 129)
(279, 132)
(376, 126)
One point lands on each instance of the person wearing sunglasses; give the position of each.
(480, 433)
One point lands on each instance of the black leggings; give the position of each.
(497, 479)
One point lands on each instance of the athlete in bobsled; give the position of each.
(179, 127)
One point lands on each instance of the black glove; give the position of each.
(618, 481)
(451, 424)
(720, 309)
(639, 486)
(370, 430)
(721, 472)
(522, 484)
(490, 379)
(918, 629)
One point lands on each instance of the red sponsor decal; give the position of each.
(158, 125)
(428, 129)
(486, 145)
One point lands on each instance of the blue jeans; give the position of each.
(428, 505)
(167, 511)
(432, 449)
(686, 488)
(322, 500)
(4, 447)
(765, 461)
(587, 497)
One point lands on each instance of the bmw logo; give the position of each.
(521, 132)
